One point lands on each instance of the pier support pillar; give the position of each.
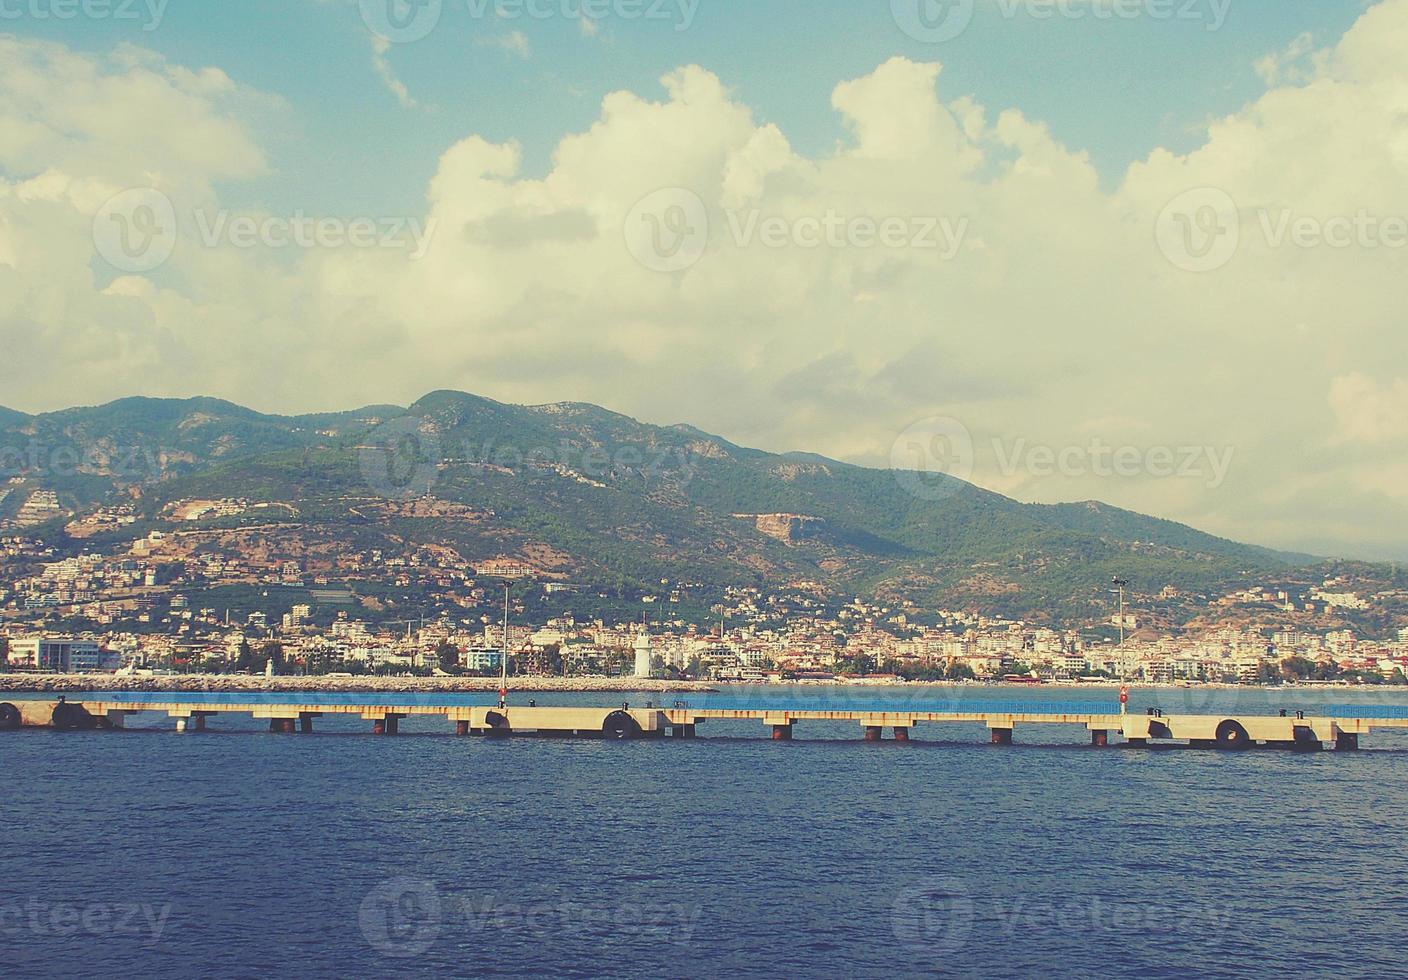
(1002, 736)
(283, 726)
(682, 731)
(180, 726)
(305, 724)
(1347, 742)
(782, 733)
(1099, 739)
(379, 726)
(393, 725)
(461, 728)
(901, 733)
(873, 733)
(198, 723)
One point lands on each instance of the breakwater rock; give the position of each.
(177, 683)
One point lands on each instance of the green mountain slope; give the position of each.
(583, 493)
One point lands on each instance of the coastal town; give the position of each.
(235, 601)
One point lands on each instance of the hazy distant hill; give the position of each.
(588, 494)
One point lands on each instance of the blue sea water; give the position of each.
(240, 853)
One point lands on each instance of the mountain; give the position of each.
(10, 417)
(584, 494)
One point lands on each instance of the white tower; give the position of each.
(642, 648)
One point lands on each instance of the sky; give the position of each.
(1150, 252)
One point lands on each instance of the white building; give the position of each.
(63, 655)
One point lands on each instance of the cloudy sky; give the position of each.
(1152, 252)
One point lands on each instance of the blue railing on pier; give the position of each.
(337, 698)
(900, 705)
(1390, 712)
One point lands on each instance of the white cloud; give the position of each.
(514, 42)
(387, 74)
(1058, 321)
(1368, 412)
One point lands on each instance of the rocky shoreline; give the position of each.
(177, 683)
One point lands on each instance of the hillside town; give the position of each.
(203, 601)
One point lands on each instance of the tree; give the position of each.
(447, 655)
(273, 652)
(960, 671)
(245, 661)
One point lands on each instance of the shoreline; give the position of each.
(181, 683)
(221, 683)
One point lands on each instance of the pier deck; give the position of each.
(1339, 727)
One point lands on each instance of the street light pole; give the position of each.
(503, 657)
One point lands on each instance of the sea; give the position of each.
(239, 853)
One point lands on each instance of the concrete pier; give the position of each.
(1303, 732)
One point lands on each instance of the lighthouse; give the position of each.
(642, 648)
